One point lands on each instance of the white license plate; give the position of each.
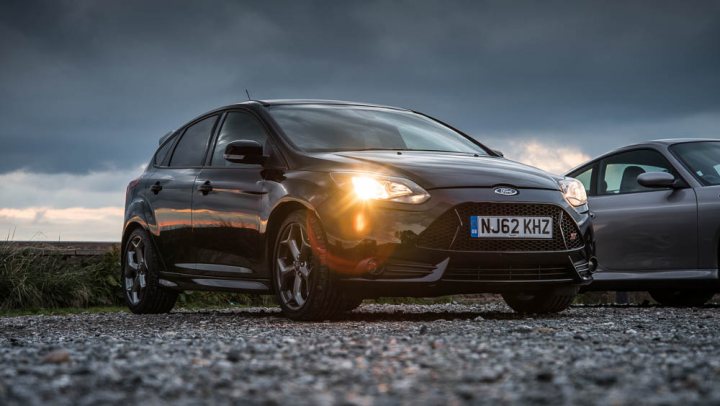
(510, 227)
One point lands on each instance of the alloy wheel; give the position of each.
(294, 266)
(135, 270)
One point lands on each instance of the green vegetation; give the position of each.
(32, 277)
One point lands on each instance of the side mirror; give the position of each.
(656, 179)
(244, 152)
(498, 152)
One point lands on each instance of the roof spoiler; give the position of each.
(165, 137)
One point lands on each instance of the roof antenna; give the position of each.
(248, 94)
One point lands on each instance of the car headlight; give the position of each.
(573, 191)
(365, 186)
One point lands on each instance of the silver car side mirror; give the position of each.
(656, 179)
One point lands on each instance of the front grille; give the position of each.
(539, 273)
(451, 231)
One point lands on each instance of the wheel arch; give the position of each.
(135, 223)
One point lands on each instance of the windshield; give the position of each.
(357, 128)
(702, 159)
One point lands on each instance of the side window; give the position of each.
(163, 151)
(190, 150)
(585, 177)
(238, 125)
(619, 173)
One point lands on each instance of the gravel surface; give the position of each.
(380, 354)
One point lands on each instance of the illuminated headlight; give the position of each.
(574, 193)
(377, 187)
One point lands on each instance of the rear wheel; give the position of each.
(143, 293)
(304, 285)
(539, 303)
(681, 298)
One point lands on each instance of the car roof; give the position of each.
(280, 102)
(670, 141)
(666, 142)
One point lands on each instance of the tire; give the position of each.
(304, 285)
(539, 303)
(681, 298)
(139, 276)
(351, 303)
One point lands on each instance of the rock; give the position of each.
(56, 357)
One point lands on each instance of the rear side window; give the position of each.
(163, 151)
(238, 125)
(190, 150)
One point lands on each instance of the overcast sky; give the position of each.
(88, 87)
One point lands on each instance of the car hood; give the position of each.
(445, 170)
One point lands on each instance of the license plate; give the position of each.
(511, 227)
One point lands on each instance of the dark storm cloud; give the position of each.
(89, 84)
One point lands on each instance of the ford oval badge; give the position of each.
(506, 191)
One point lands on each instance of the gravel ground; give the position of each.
(380, 354)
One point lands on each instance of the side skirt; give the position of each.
(190, 281)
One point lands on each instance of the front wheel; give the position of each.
(140, 277)
(539, 303)
(304, 284)
(681, 298)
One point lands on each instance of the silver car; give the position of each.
(656, 209)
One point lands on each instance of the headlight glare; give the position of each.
(367, 187)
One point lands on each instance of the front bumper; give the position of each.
(425, 250)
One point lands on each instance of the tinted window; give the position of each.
(355, 128)
(162, 152)
(620, 172)
(238, 125)
(702, 159)
(585, 177)
(190, 150)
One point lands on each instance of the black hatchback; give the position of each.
(325, 203)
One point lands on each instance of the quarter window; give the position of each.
(190, 150)
(620, 172)
(163, 151)
(585, 177)
(238, 125)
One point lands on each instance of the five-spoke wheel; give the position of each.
(143, 293)
(135, 271)
(304, 284)
(294, 262)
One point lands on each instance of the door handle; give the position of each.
(206, 187)
(156, 187)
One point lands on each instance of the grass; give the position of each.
(32, 277)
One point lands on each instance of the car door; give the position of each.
(171, 191)
(227, 203)
(638, 228)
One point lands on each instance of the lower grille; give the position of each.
(508, 274)
(406, 270)
(451, 231)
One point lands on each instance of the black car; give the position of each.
(657, 219)
(326, 203)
